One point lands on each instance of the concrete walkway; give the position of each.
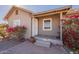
(6, 44)
(29, 48)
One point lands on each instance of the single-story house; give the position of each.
(45, 24)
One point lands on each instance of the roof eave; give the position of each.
(15, 7)
(50, 11)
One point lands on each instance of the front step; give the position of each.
(43, 43)
(40, 41)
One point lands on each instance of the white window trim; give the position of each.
(14, 23)
(50, 24)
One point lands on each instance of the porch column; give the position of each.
(61, 25)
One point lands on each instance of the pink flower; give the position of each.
(10, 29)
(72, 16)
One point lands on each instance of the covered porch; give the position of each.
(48, 37)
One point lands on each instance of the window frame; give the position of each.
(50, 24)
(16, 22)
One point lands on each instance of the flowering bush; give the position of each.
(15, 29)
(3, 33)
(71, 32)
(10, 29)
(18, 32)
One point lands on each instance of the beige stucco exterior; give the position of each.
(28, 19)
(25, 20)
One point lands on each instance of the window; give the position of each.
(47, 24)
(16, 12)
(16, 23)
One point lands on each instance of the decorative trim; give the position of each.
(50, 24)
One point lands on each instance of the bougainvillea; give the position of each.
(14, 29)
(10, 29)
(17, 32)
(71, 32)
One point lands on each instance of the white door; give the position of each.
(34, 27)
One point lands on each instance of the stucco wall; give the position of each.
(25, 20)
(55, 25)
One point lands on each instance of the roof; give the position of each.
(53, 10)
(16, 7)
(36, 14)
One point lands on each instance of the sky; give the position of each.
(35, 8)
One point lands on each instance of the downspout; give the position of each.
(31, 24)
(38, 26)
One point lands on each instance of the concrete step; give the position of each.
(47, 42)
(42, 43)
(56, 42)
(41, 38)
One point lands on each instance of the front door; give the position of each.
(34, 27)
